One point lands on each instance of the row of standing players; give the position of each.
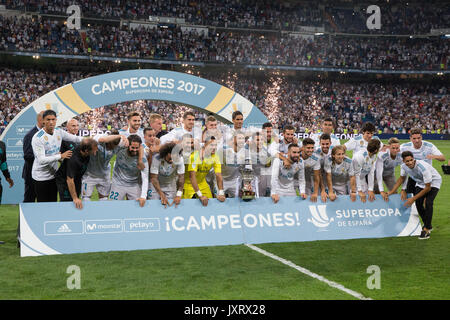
(183, 163)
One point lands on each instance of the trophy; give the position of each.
(247, 190)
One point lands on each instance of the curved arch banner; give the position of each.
(142, 84)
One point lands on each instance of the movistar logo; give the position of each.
(319, 216)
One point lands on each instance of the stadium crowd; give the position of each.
(394, 107)
(51, 36)
(396, 17)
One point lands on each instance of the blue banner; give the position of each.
(60, 228)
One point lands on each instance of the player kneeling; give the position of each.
(167, 174)
(282, 182)
(128, 181)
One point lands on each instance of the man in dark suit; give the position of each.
(28, 156)
(4, 170)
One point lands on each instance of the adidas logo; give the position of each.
(64, 228)
(319, 216)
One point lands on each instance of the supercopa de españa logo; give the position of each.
(348, 217)
(319, 216)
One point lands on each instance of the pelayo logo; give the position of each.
(319, 216)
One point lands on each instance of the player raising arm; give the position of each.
(98, 172)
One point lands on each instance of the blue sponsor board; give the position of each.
(60, 228)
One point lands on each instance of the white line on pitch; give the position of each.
(309, 273)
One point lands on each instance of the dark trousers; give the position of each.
(46, 191)
(411, 185)
(29, 194)
(63, 191)
(424, 206)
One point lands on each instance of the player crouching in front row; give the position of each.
(428, 182)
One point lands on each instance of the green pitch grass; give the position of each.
(410, 268)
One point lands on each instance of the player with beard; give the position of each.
(385, 167)
(167, 175)
(282, 182)
(128, 181)
(322, 152)
(279, 149)
(312, 169)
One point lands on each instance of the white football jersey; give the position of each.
(46, 152)
(422, 173)
(358, 143)
(282, 181)
(421, 153)
(167, 172)
(127, 174)
(364, 165)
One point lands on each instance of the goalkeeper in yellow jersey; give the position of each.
(200, 163)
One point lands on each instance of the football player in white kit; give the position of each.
(134, 121)
(46, 144)
(340, 175)
(312, 169)
(234, 155)
(327, 128)
(421, 150)
(361, 141)
(98, 173)
(322, 152)
(151, 147)
(385, 167)
(279, 148)
(167, 175)
(176, 134)
(363, 163)
(282, 182)
(428, 182)
(261, 163)
(127, 180)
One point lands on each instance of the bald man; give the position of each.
(72, 127)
